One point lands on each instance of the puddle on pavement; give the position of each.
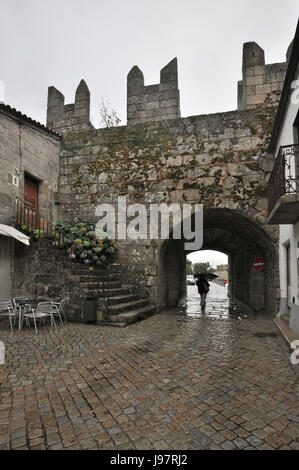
(266, 335)
(218, 304)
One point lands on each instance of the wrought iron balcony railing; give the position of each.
(284, 178)
(32, 221)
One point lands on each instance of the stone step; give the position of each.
(99, 285)
(118, 291)
(121, 299)
(126, 318)
(113, 292)
(96, 277)
(127, 306)
(84, 271)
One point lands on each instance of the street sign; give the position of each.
(259, 264)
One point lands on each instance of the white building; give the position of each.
(284, 188)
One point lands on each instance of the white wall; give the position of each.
(286, 136)
(289, 233)
(5, 267)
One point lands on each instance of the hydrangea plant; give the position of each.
(82, 243)
(33, 233)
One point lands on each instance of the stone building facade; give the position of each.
(284, 193)
(28, 151)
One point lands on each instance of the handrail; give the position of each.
(25, 215)
(106, 291)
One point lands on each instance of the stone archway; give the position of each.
(243, 240)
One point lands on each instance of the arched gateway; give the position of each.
(243, 240)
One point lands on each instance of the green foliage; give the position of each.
(222, 267)
(82, 244)
(202, 267)
(189, 267)
(34, 234)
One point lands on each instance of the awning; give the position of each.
(12, 232)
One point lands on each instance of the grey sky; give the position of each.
(214, 257)
(58, 42)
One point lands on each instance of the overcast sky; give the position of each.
(58, 42)
(214, 257)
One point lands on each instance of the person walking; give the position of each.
(203, 288)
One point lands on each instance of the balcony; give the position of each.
(283, 187)
(30, 221)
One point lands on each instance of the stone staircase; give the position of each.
(46, 272)
(118, 304)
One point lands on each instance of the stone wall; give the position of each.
(28, 148)
(40, 271)
(218, 160)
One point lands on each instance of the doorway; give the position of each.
(215, 265)
(31, 201)
(242, 240)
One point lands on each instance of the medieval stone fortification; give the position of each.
(220, 160)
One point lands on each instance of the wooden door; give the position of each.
(31, 201)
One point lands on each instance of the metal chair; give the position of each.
(19, 305)
(43, 310)
(61, 309)
(16, 301)
(7, 309)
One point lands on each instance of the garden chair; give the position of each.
(61, 309)
(20, 305)
(7, 309)
(16, 301)
(43, 311)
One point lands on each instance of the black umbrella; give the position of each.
(206, 275)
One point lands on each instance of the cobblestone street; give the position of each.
(177, 380)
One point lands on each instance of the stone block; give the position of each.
(169, 103)
(255, 80)
(171, 110)
(251, 90)
(263, 89)
(256, 99)
(257, 70)
(151, 105)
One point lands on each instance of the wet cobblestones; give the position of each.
(172, 381)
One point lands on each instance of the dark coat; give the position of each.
(202, 286)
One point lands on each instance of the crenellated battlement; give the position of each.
(261, 84)
(153, 102)
(65, 117)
